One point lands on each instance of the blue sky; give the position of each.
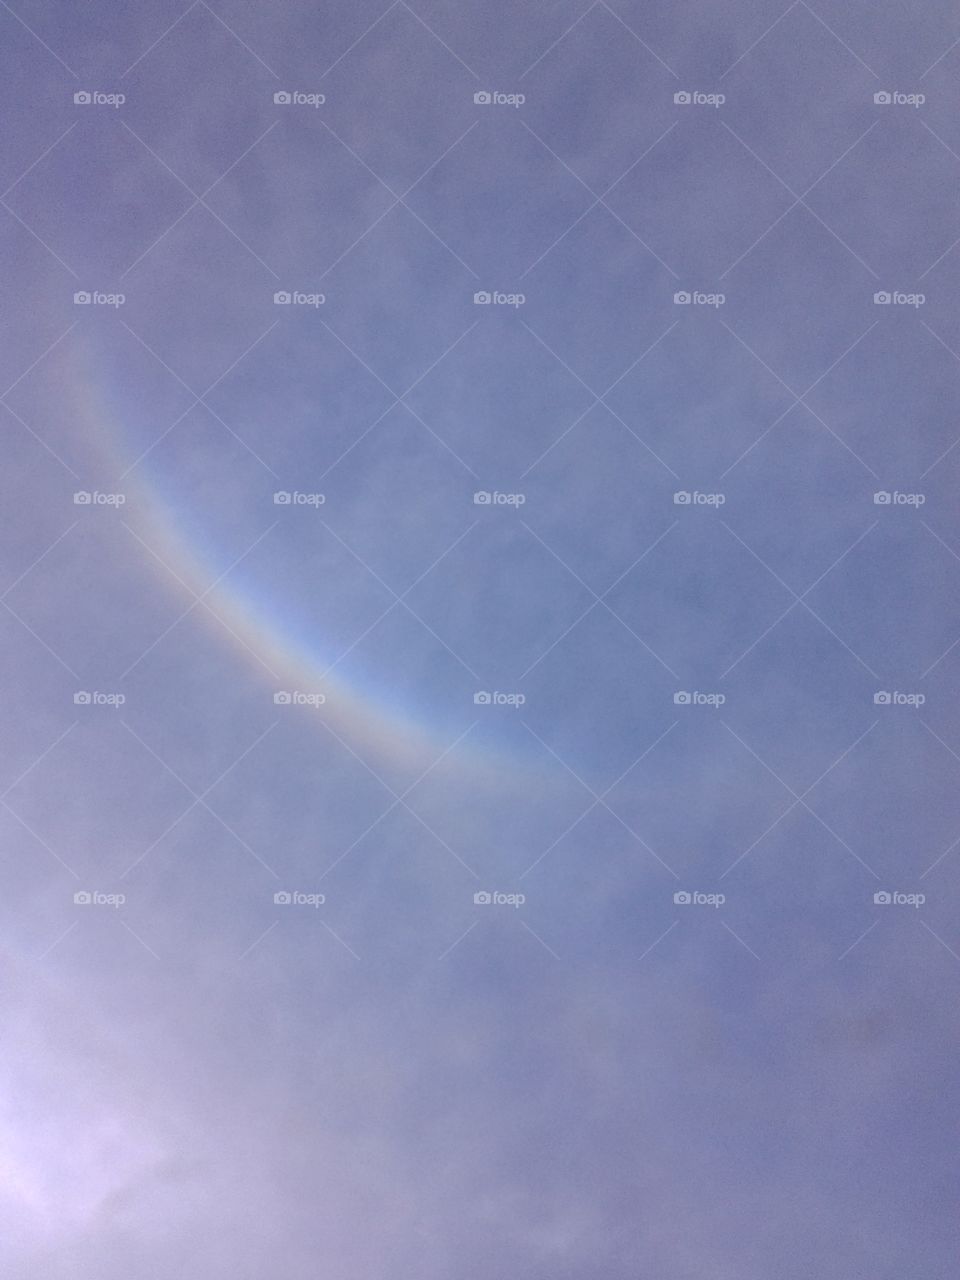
(480, 605)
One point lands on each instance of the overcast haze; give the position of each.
(481, 621)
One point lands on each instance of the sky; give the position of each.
(480, 745)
